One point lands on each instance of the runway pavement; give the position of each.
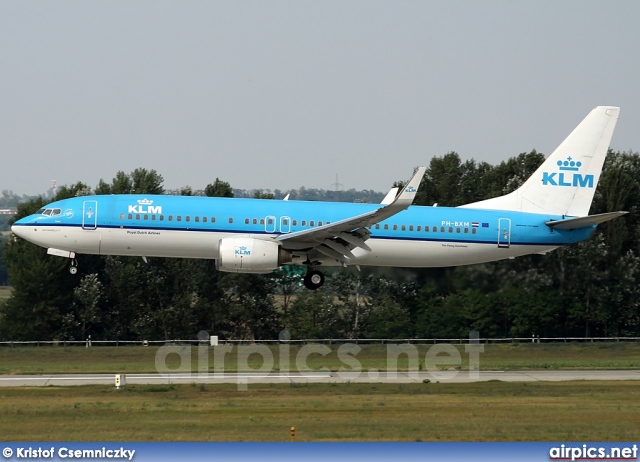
(317, 377)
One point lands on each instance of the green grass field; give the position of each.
(130, 359)
(493, 411)
(487, 411)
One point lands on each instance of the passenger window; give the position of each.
(404, 228)
(130, 216)
(411, 228)
(269, 221)
(285, 222)
(146, 217)
(395, 227)
(170, 217)
(434, 229)
(419, 228)
(473, 231)
(137, 216)
(377, 225)
(197, 219)
(230, 220)
(311, 223)
(450, 229)
(246, 221)
(262, 221)
(204, 219)
(153, 218)
(179, 218)
(466, 230)
(213, 219)
(386, 226)
(161, 217)
(442, 229)
(295, 223)
(122, 216)
(319, 223)
(458, 230)
(187, 218)
(255, 221)
(304, 222)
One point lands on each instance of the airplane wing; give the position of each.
(337, 239)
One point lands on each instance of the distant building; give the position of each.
(8, 211)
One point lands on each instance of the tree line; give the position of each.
(588, 289)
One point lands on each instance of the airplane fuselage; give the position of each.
(192, 227)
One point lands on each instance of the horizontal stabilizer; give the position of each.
(584, 222)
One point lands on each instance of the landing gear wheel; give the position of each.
(73, 269)
(313, 280)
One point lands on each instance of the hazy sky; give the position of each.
(280, 94)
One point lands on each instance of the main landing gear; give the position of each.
(73, 269)
(313, 279)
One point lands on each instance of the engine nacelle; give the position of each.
(248, 255)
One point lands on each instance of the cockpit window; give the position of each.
(49, 212)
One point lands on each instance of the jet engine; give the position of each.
(249, 255)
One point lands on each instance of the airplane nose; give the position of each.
(18, 230)
(14, 230)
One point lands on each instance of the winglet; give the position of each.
(391, 195)
(408, 193)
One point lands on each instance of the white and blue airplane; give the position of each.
(551, 209)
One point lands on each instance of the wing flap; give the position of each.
(343, 250)
(354, 240)
(329, 252)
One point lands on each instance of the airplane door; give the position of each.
(270, 224)
(285, 224)
(89, 215)
(504, 232)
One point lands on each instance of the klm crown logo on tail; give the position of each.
(566, 178)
